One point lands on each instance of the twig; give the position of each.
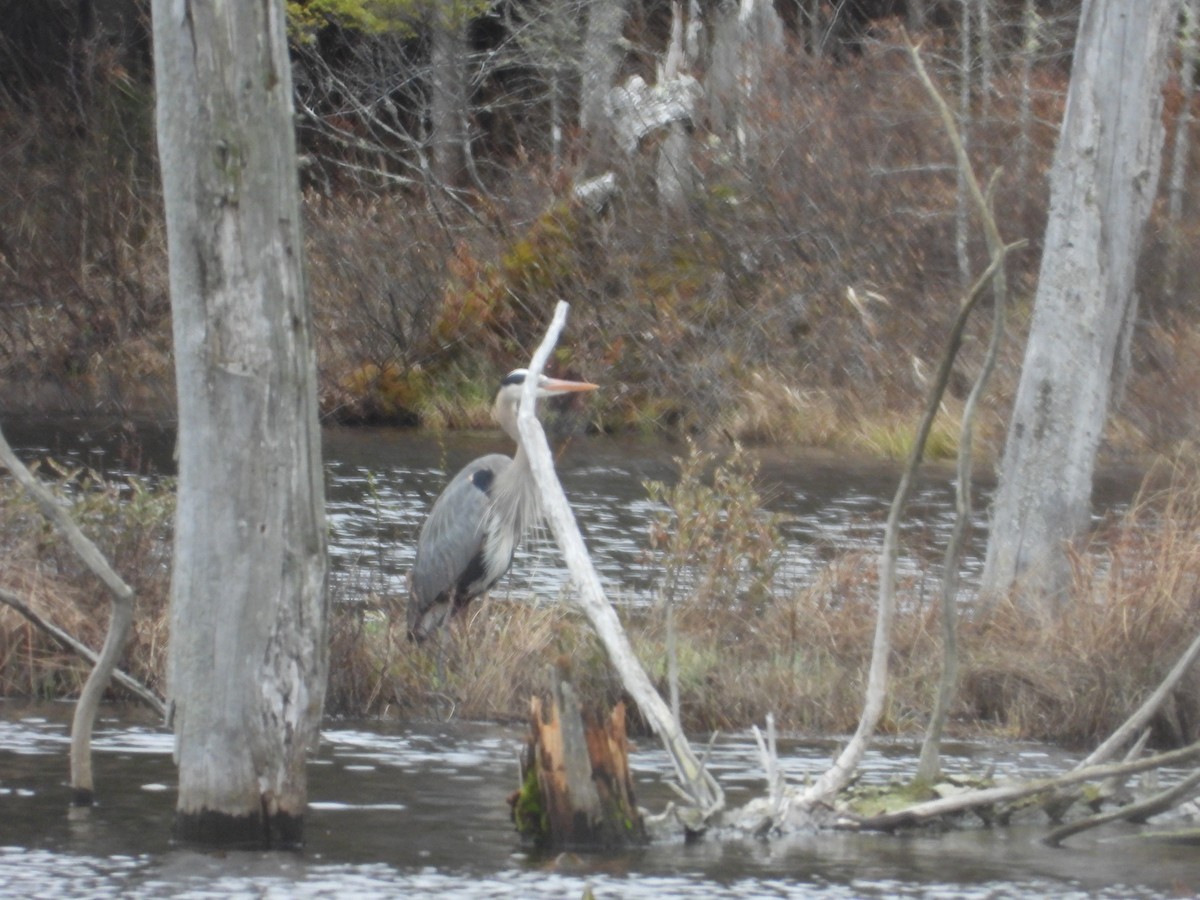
(131, 684)
(118, 625)
(1143, 809)
(700, 787)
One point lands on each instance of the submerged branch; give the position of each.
(922, 813)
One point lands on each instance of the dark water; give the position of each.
(418, 809)
(381, 482)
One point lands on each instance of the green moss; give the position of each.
(528, 812)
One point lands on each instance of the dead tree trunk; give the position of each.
(248, 654)
(1103, 184)
(576, 791)
(696, 783)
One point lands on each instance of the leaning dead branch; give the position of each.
(924, 813)
(127, 681)
(928, 765)
(1133, 812)
(697, 784)
(119, 623)
(1141, 716)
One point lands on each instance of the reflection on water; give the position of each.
(420, 810)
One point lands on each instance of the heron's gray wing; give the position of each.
(451, 539)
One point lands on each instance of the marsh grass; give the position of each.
(743, 651)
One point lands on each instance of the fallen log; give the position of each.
(576, 792)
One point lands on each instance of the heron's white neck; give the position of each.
(515, 500)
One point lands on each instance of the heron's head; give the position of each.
(508, 400)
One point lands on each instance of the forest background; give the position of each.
(797, 294)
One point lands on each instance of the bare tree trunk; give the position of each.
(673, 176)
(928, 765)
(1103, 184)
(696, 783)
(987, 56)
(1029, 44)
(1189, 40)
(447, 97)
(248, 655)
(602, 56)
(962, 220)
(746, 34)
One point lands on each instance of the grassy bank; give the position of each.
(744, 649)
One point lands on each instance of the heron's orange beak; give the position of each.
(559, 386)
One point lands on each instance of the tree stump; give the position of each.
(576, 792)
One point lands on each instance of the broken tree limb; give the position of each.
(1140, 811)
(922, 813)
(928, 765)
(838, 775)
(1141, 716)
(127, 681)
(119, 624)
(697, 783)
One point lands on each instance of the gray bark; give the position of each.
(1180, 142)
(1103, 183)
(602, 55)
(696, 784)
(448, 133)
(746, 34)
(248, 657)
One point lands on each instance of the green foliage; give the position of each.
(374, 17)
(715, 545)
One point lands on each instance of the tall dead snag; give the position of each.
(927, 769)
(249, 651)
(575, 786)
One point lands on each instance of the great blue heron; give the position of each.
(468, 541)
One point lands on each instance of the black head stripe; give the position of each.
(517, 377)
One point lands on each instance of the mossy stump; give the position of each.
(576, 792)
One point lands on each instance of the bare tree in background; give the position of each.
(248, 654)
(1103, 184)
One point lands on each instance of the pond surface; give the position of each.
(419, 810)
(381, 482)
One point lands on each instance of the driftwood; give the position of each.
(696, 784)
(82, 788)
(576, 791)
(924, 813)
